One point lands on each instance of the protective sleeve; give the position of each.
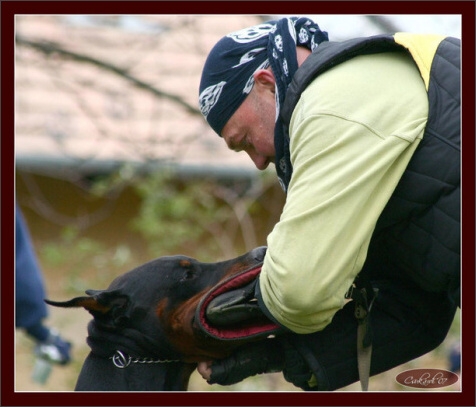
(405, 326)
(352, 134)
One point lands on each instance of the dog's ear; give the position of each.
(101, 304)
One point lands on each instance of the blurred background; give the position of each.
(115, 164)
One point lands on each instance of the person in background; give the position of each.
(30, 308)
(454, 358)
(365, 138)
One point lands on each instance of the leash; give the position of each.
(363, 298)
(122, 360)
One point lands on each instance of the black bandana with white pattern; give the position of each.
(227, 76)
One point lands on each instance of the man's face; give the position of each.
(251, 127)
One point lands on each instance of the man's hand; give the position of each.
(269, 356)
(257, 358)
(205, 369)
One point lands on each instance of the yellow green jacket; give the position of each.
(353, 134)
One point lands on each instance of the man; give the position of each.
(364, 135)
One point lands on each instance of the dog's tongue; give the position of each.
(229, 310)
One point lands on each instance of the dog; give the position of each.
(150, 329)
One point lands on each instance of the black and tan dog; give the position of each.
(151, 327)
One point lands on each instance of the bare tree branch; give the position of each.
(49, 48)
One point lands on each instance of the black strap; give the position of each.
(363, 295)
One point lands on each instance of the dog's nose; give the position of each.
(258, 253)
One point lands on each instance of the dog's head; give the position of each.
(158, 301)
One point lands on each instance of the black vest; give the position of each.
(418, 233)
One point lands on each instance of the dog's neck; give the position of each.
(106, 342)
(100, 374)
(130, 370)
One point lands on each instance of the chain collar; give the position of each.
(122, 360)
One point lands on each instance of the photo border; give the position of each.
(9, 397)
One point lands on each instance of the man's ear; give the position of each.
(264, 80)
(102, 304)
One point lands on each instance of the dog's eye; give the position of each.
(188, 270)
(188, 275)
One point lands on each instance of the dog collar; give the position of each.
(122, 360)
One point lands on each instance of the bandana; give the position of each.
(227, 76)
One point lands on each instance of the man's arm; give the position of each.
(404, 324)
(352, 135)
